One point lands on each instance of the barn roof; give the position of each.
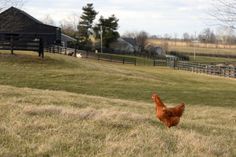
(17, 23)
(26, 14)
(16, 20)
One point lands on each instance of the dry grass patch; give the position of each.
(52, 123)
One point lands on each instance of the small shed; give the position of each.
(122, 46)
(65, 39)
(155, 50)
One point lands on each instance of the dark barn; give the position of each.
(16, 26)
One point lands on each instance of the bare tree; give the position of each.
(226, 35)
(7, 3)
(140, 39)
(224, 11)
(130, 35)
(207, 35)
(48, 20)
(69, 25)
(186, 36)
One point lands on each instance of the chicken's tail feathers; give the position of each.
(181, 108)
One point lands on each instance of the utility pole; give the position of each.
(101, 32)
(194, 57)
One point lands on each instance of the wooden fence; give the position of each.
(226, 71)
(110, 58)
(160, 62)
(61, 50)
(25, 45)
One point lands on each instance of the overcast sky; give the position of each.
(153, 16)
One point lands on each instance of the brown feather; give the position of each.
(169, 116)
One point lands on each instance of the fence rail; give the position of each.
(226, 71)
(160, 62)
(110, 58)
(25, 45)
(20, 45)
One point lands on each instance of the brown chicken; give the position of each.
(169, 116)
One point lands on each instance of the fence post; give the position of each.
(12, 45)
(234, 72)
(154, 62)
(123, 60)
(135, 62)
(66, 51)
(41, 48)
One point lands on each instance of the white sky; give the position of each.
(153, 16)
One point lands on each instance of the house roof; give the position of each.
(67, 38)
(130, 40)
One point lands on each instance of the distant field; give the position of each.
(208, 60)
(203, 50)
(65, 106)
(186, 48)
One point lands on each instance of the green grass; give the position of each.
(149, 62)
(129, 82)
(64, 106)
(139, 60)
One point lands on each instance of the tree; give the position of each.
(207, 35)
(141, 40)
(226, 35)
(7, 3)
(48, 20)
(109, 29)
(130, 35)
(86, 23)
(186, 36)
(224, 11)
(69, 25)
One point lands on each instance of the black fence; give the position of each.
(110, 58)
(25, 45)
(225, 71)
(62, 50)
(160, 62)
(218, 70)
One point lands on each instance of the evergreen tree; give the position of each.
(86, 23)
(109, 29)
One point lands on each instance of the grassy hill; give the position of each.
(63, 106)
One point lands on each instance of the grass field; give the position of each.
(63, 106)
